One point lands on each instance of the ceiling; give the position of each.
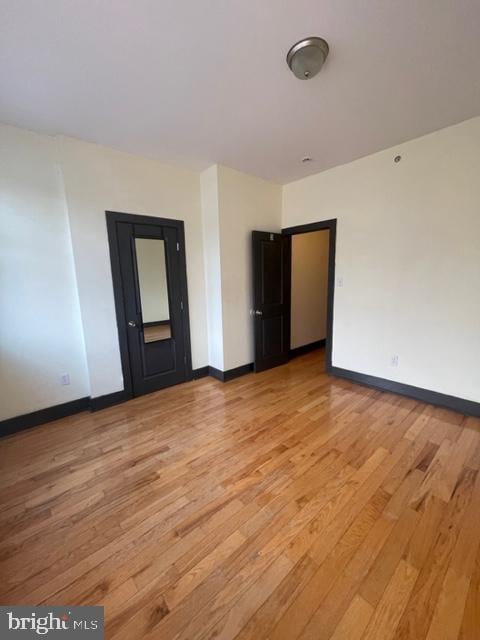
(197, 82)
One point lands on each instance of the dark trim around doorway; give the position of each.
(325, 225)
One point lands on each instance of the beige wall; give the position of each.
(57, 294)
(99, 179)
(408, 256)
(407, 262)
(40, 326)
(246, 204)
(213, 271)
(57, 310)
(309, 288)
(234, 204)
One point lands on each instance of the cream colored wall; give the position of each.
(213, 272)
(99, 179)
(40, 327)
(57, 310)
(408, 259)
(309, 288)
(54, 196)
(246, 204)
(234, 204)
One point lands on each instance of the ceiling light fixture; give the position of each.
(307, 57)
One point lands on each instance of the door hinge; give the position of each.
(185, 359)
(178, 246)
(181, 305)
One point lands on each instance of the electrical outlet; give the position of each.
(340, 281)
(65, 379)
(394, 361)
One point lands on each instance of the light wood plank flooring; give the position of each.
(282, 505)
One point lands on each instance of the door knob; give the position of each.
(132, 323)
(258, 313)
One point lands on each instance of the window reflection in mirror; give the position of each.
(152, 278)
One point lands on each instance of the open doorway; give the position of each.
(272, 294)
(312, 252)
(309, 292)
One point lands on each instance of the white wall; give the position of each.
(152, 279)
(99, 179)
(57, 311)
(213, 274)
(234, 204)
(309, 288)
(57, 294)
(40, 327)
(408, 251)
(246, 204)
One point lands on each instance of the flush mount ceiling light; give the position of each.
(306, 57)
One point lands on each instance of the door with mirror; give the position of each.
(152, 301)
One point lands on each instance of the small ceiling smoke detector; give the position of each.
(306, 57)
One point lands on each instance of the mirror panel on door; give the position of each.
(150, 285)
(152, 279)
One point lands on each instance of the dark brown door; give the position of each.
(271, 295)
(151, 277)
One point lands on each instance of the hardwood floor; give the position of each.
(281, 505)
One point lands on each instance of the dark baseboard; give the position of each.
(306, 348)
(238, 371)
(110, 399)
(19, 423)
(230, 374)
(202, 372)
(468, 407)
(216, 373)
(28, 420)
